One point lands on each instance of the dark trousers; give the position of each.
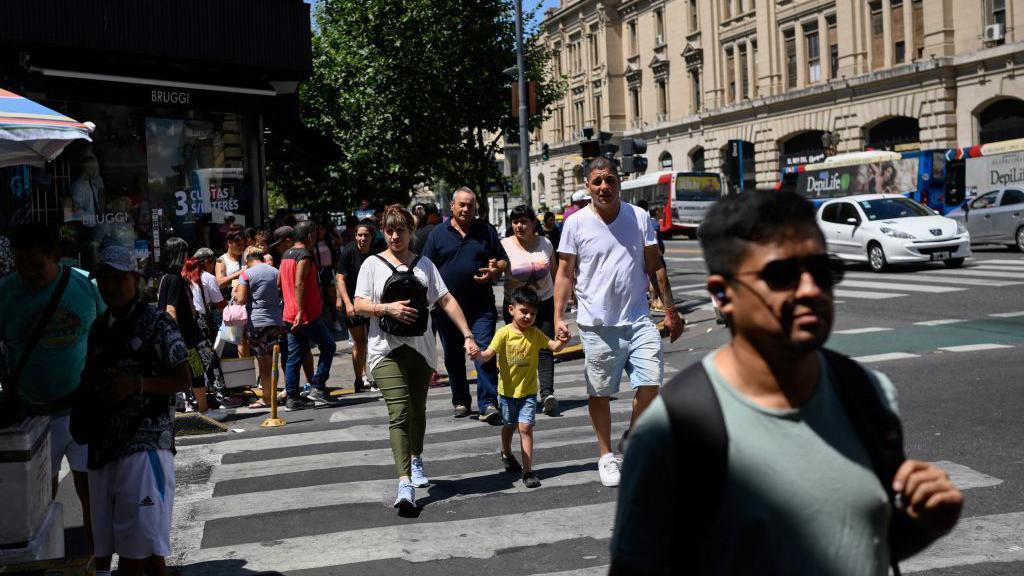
(300, 340)
(482, 322)
(545, 323)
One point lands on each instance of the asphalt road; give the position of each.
(314, 496)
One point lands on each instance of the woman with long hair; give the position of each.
(402, 365)
(532, 263)
(351, 259)
(174, 296)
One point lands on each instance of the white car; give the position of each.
(884, 229)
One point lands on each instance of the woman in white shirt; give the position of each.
(402, 365)
(532, 262)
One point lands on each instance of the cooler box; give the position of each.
(46, 544)
(239, 372)
(24, 479)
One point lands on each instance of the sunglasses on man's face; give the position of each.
(785, 274)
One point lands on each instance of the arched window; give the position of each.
(802, 148)
(665, 161)
(1001, 120)
(889, 134)
(697, 159)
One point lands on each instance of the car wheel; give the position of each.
(876, 257)
(1020, 239)
(954, 262)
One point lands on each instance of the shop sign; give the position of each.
(161, 96)
(801, 158)
(220, 197)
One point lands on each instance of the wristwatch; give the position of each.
(468, 337)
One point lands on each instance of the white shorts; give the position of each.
(132, 502)
(62, 444)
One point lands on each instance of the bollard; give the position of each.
(273, 421)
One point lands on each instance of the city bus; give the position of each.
(678, 200)
(918, 174)
(976, 170)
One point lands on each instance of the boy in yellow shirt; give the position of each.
(517, 346)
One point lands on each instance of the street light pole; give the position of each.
(524, 118)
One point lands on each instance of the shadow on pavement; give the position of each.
(441, 490)
(233, 567)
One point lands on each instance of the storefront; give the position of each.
(178, 143)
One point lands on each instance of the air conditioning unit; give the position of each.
(659, 40)
(994, 32)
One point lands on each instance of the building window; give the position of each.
(659, 27)
(694, 24)
(727, 9)
(753, 66)
(695, 85)
(662, 99)
(813, 49)
(744, 77)
(997, 12)
(634, 47)
(899, 46)
(597, 111)
(917, 16)
(634, 104)
(595, 57)
(577, 116)
(833, 47)
(877, 36)
(789, 38)
(560, 117)
(730, 76)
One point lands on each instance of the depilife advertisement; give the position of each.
(987, 173)
(889, 177)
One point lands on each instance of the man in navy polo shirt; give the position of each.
(469, 256)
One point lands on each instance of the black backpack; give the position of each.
(701, 442)
(404, 286)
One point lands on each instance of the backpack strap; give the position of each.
(881, 433)
(394, 270)
(700, 459)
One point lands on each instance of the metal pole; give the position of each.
(524, 119)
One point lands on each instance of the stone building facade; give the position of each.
(699, 79)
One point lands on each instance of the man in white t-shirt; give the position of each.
(612, 249)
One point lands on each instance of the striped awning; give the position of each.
(31, 133)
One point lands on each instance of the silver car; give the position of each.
(995, 217)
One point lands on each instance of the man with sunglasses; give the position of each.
(796, 481)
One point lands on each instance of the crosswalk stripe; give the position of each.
(435, 452)
(851, 331)
(1000, 267)
(934, 278)
(884, 357)
(965, 478)
(382, 491)
(982, 273)
(1019, 262)
(974, 347)
(982, 539)
(866, 295)
(678, 259)
(601, 570)
(941, 322)
(417, 542)
(899, 286)
(1007, 314)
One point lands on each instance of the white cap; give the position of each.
(580, 196)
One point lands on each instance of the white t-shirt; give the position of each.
(532, 268)
(210, 289)
(611, 281)
(370, 285)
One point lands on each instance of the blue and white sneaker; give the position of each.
(418, 477)
(306, 389)
(406, 499)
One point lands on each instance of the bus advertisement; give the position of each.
(677, 200)
(989, 167)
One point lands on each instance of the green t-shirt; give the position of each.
(55, 366)
(518, 358)
(800, 494)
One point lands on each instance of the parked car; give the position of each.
(995, 217)
(884, 229)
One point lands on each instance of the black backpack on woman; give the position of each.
(402, 286)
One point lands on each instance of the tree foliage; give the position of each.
(407, 91)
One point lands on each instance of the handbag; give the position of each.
(235, 315)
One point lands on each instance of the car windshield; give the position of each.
(891, 208)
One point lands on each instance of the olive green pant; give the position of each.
(403, 377)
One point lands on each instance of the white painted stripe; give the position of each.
(981, 273)
(862, 330)
(601, 570)
(382, 491)
(966, 478)
(684, 287)
(982, 539)
(941, 322)
(866, 295)
(1007, 314)
(933, 278)
(416, 541)
(678, 259)
(435, 452)
(699, 293)
(898, 286)
(884, 357)
(1018, 262)
(974, 347)
(1000, 267)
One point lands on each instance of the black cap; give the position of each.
(281, 234)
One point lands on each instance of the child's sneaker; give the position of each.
(510, 463)
(608, 469)
(406, 499)
(418, 477)
(530, 480)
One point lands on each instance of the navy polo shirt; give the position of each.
(460, 258)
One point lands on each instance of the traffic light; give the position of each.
(545, 152)
(632, 161)
(590, 149)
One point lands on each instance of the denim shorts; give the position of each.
(635, 348)
(521, 410)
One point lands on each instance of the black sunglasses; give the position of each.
(780, 275)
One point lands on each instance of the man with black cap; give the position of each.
(282, 243)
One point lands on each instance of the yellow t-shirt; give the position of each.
(518, 357)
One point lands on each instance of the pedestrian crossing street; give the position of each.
(316, 499)
(862, 284)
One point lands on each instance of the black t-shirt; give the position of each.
(554, 236)
(348, 264)
(420, 237)
(176, 291)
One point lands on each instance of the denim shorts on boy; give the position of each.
(521, 410)
(132, 500)
(635, 348)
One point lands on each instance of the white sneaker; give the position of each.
(215, 414)
(608, 468)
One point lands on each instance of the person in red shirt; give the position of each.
(300, 290)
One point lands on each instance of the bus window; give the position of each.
(698, 188)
